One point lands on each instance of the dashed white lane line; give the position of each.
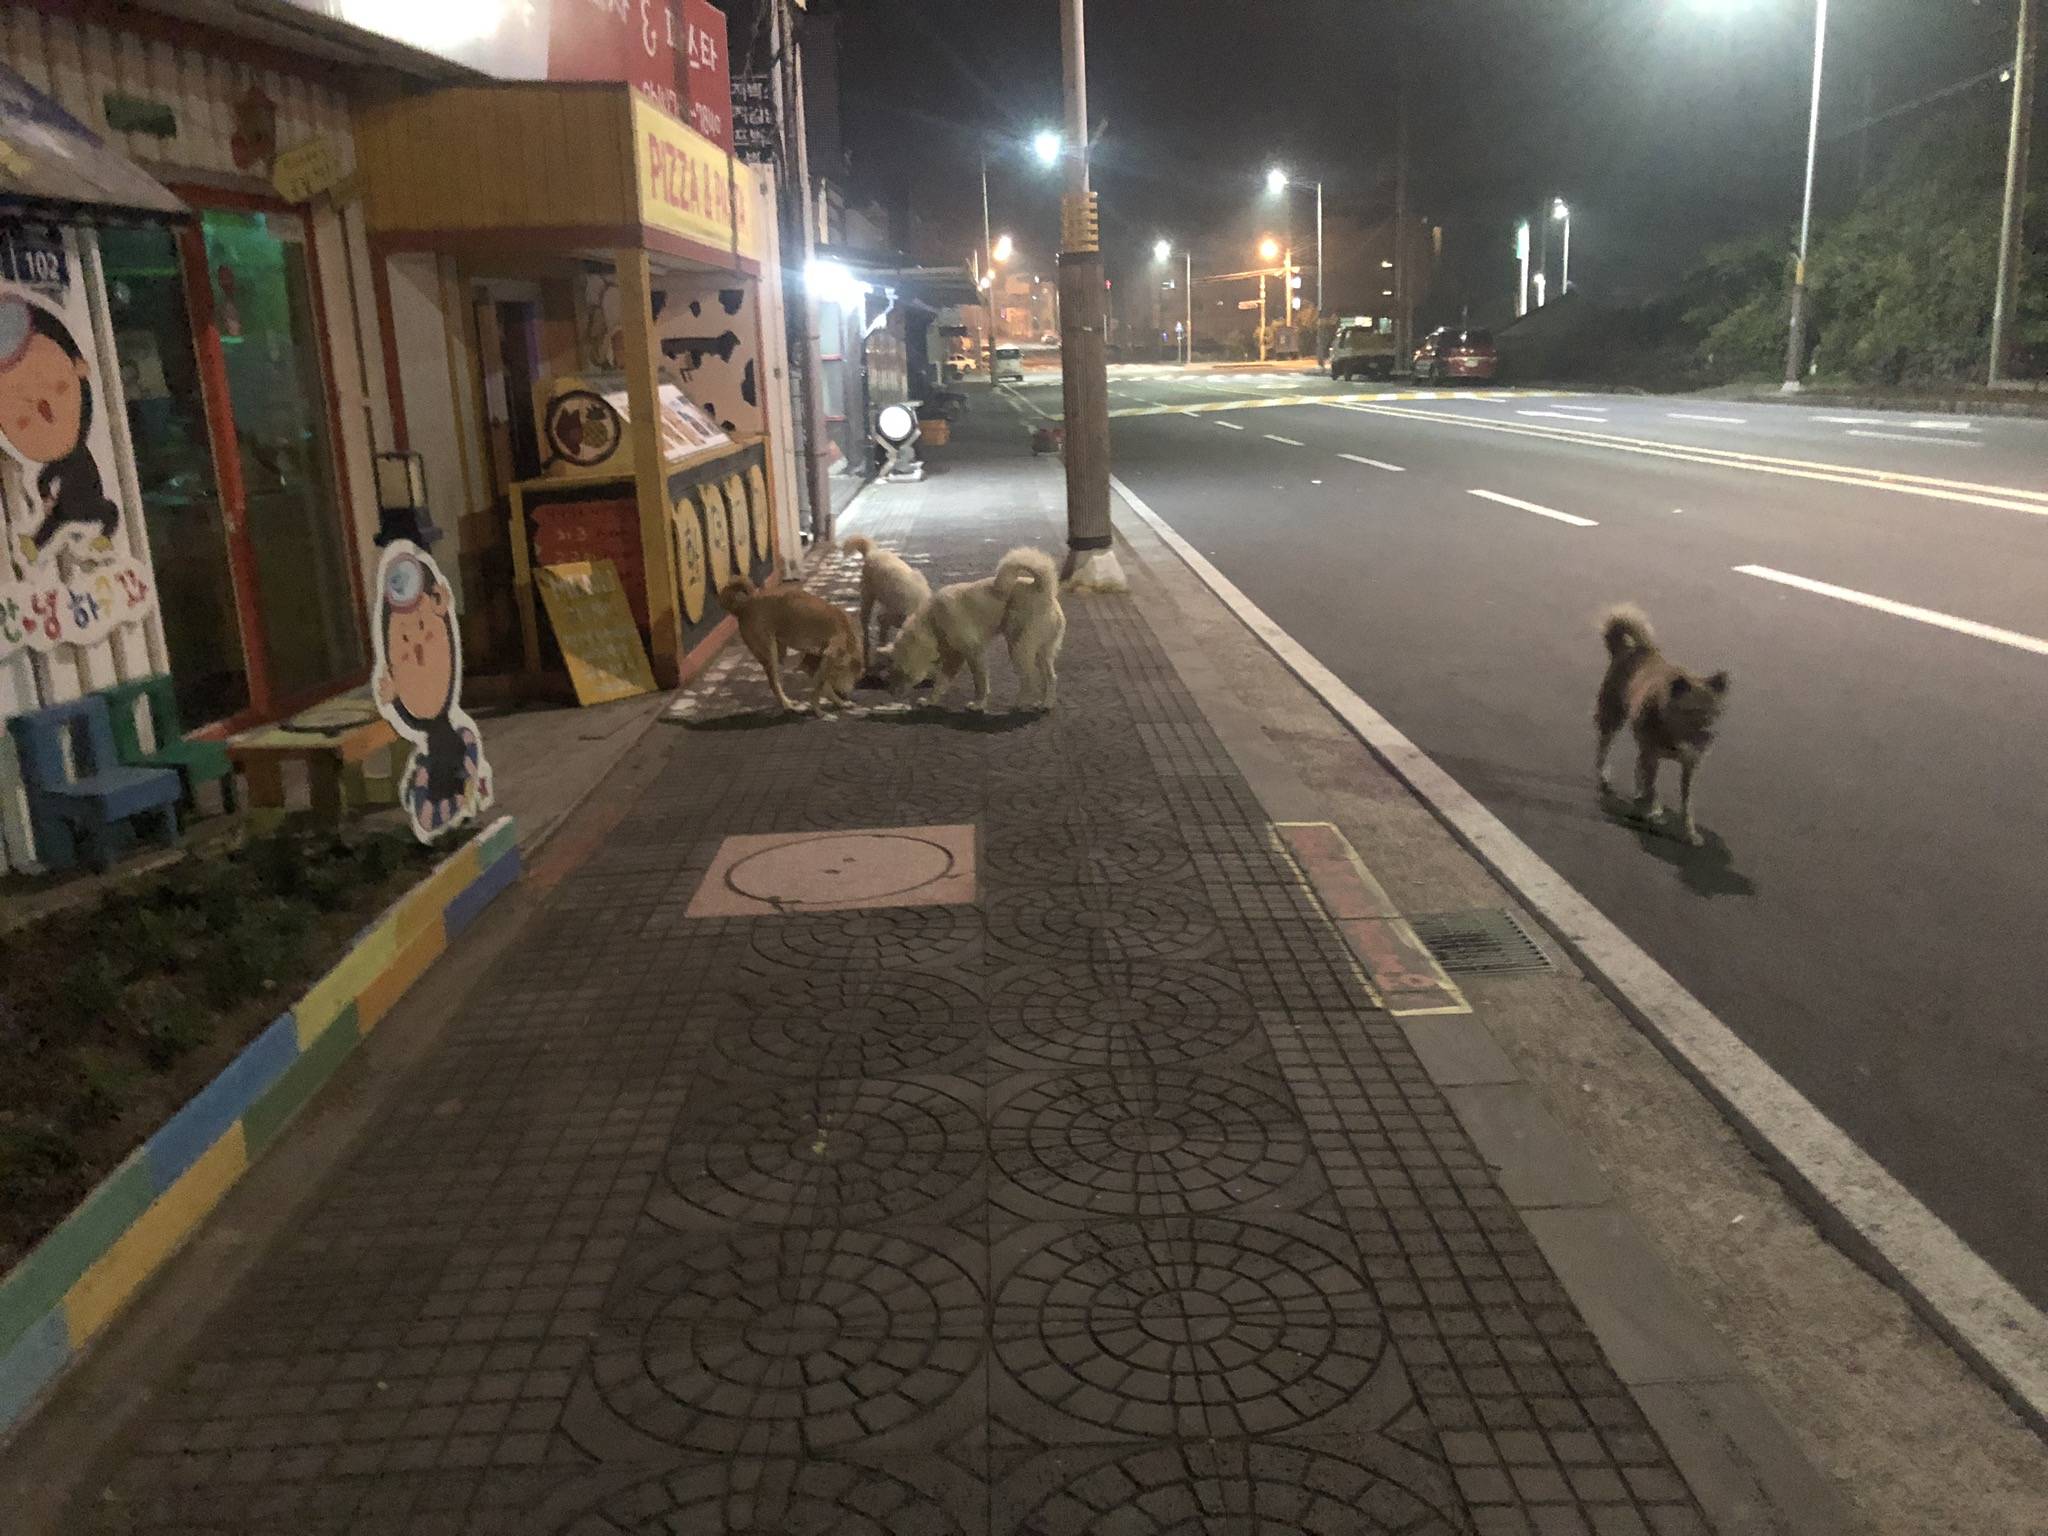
(1733, 421)
(1274, 437)
(1851, 421)
(1530, 506)
(1582, 420)
(1950, 425)
(1971, 627)
(1230, 424)
(1359, 458)
(1908, 437)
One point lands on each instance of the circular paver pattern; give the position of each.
(1165, 1142)
(790, 1342)
(850, 1024)
(835, 1153)
(888, 938)
(1244, 1489)
(1190, 1327)
(838, 870)
(1106, 1014)
(768, 1496)
(1065, 852)
(1104, 922)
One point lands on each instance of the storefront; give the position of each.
(538, 307)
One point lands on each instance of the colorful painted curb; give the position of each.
(54, 1301)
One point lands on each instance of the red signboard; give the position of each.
(707, 88)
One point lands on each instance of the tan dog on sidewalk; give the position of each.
(1671, 712)
(953, 629)
(889, 586)
(789, 618)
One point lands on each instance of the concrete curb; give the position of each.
(58, 1299)
(1861, 1206)
(1923, 405)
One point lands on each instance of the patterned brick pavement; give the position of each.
(1108, 1203)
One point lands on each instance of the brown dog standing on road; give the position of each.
(789, 618)
(1671, 712)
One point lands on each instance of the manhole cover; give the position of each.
(1487, 941)
(758, 876)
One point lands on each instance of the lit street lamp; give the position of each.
(1003, 249)
(1269, 249)
(1046, 145)
(1162, 252)
(1161, 249)
(1278, 181)
(1562, 212)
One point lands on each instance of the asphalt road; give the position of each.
(1870, 912)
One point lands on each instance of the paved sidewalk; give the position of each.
(1106, 1201)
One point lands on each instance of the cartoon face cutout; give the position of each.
(419, 640)
(42, 384)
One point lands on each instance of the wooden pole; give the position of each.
(650, 483)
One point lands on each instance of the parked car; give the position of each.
(1362, 350)
(1009, 365)
(1449, 352)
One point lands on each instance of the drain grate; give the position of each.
(1484, 942)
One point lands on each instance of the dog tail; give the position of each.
(1027, 564)
(860, 544)
(1624, 628)
(735, 595)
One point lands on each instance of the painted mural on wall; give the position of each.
(709, 349)
(69, 577)
(418, 687)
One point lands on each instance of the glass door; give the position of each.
(257, 270)
(189, 529)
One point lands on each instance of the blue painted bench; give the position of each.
(93, 805)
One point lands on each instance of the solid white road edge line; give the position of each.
(1967, 1301)
(1971, 627)
(1530, 506)
(1907, 437)
(1274, 437)
(1359, 458)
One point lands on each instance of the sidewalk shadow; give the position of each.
(1708, 870)
(968, 722)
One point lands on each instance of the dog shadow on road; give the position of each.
(1708, 870)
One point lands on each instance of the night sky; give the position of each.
(1667, 124)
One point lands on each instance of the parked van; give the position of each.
(1009, 365)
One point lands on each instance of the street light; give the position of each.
(1161, 249)
(1003, 249)
(1162, 252)
(1269, 249)
(1278, 181)
(1046, 145)
(1562, 212)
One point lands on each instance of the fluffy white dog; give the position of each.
(954, 627)
(889, 587)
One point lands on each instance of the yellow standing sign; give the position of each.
(594, 627)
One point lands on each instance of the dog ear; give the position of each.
(1680, 686)
(1718, 682)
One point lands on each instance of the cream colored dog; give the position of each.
(889, 587)
(954, 627)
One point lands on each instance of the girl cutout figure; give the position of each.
(419, 690)
(46, 418)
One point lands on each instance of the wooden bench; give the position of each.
(196, 762)
(82, 800)
(334, 752)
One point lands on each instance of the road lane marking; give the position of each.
(1275, 437)
(1950, 425)
(1359, 458)
(1561, 416)
(1851, 421)
(1733, 421)
(2002, 1334)
(1903, 482)
(1907, 437)
(1530, 506)
(1230, 424)
(1971, 627)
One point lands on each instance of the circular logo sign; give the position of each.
(690, 581)
(736, 512)
(717, 536)
(582, 429)
(757, 506)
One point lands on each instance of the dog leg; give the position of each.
(1049, 666)
(867, 613)
(773, 662)
(1687, 767)
(1600, 756)
(1646, 784)
(977, 666)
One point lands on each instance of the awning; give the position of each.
(53, 166)
(937, 287)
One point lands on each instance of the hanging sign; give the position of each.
(304, 171)
(418, 687)
(753, 119)
(69, 577)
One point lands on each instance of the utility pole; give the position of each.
(2012, 218)
(1188, 299)
(1084, 366)
(1264, 313)
(789, 90)
(1795, 341)
(1404, 318)
(988, 254)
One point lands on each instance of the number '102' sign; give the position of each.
(34, 259)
